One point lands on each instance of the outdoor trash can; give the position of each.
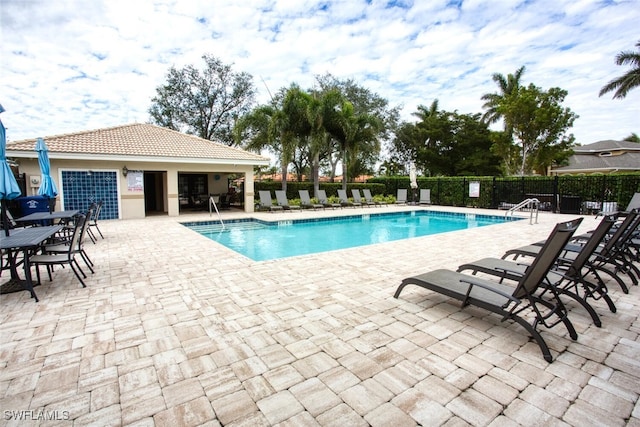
(570, 204)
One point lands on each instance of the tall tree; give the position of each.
(204, 103)
(629, 80)
(540, 124)
(509, 87)
(503, 143)
(633, 137)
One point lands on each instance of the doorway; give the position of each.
(154, 193)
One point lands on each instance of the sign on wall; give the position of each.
(135, 181)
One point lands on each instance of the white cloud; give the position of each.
(74, 65)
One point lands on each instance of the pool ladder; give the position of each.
(212, 203)
(531, 204)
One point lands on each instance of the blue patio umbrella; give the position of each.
(47, 186)
(9, 188)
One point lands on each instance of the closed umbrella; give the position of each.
(413, 176)
(47, 186)
(9, 188)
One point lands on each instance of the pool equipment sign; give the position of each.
(474, 189)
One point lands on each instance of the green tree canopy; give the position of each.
(446, 143)
(540, 124)
(204, 103)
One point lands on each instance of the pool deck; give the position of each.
(174, 329)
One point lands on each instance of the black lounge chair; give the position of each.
(519, 304)
(305, 201)
(266, 203)
(322, 197)
(344, 200)
(281, 198)
(611, 258)
(568, 276)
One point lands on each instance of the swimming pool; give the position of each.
(265, 240)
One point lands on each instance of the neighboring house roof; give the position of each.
(603, 156)
(138, 141)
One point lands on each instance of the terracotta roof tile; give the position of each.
(138, 139)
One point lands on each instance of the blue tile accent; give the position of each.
(81, 188)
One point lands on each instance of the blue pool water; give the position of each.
(264, 240)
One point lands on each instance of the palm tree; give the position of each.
(509, 86)
(350, 129)
(630, 80)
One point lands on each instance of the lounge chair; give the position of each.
(322, 197)
(401, 198)
(281, 198)
(344, 200)
(369, 198)
(358, 199)
(634, 203)
(425, 196)
(305, 201)
(568, 276)
(611, 258)
(266, 203)
(510, 303)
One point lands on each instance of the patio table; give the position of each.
(48, 216)
(24, 240)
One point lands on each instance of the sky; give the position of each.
(73, 65)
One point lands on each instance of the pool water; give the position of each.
(266, 240)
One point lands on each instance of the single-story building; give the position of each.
(137, 170)
(603, 157)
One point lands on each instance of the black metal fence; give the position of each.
(565, 194)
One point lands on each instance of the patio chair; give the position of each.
(344, 200)
(369, 198)
(66, 258)
(322, 197)
(568, 276)
(425, 196)
(610, 258)
(523, 304)
(281, 198)
(93, 222)
(305, 201)
(61, 247)
(358, 199)
(401, 198)
(266, 203)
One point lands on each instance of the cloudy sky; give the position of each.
(72, 65)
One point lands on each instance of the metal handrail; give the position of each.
(212, 202)
(531, 204)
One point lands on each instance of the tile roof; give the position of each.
(607, 145)
(138, 140)
(624, 156)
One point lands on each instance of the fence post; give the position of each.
(554, 202)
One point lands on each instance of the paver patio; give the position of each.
(176, 330)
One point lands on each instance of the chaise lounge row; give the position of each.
(266, 202)
(366, 199)
(563, 265)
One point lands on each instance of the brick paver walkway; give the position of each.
(175, 330)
